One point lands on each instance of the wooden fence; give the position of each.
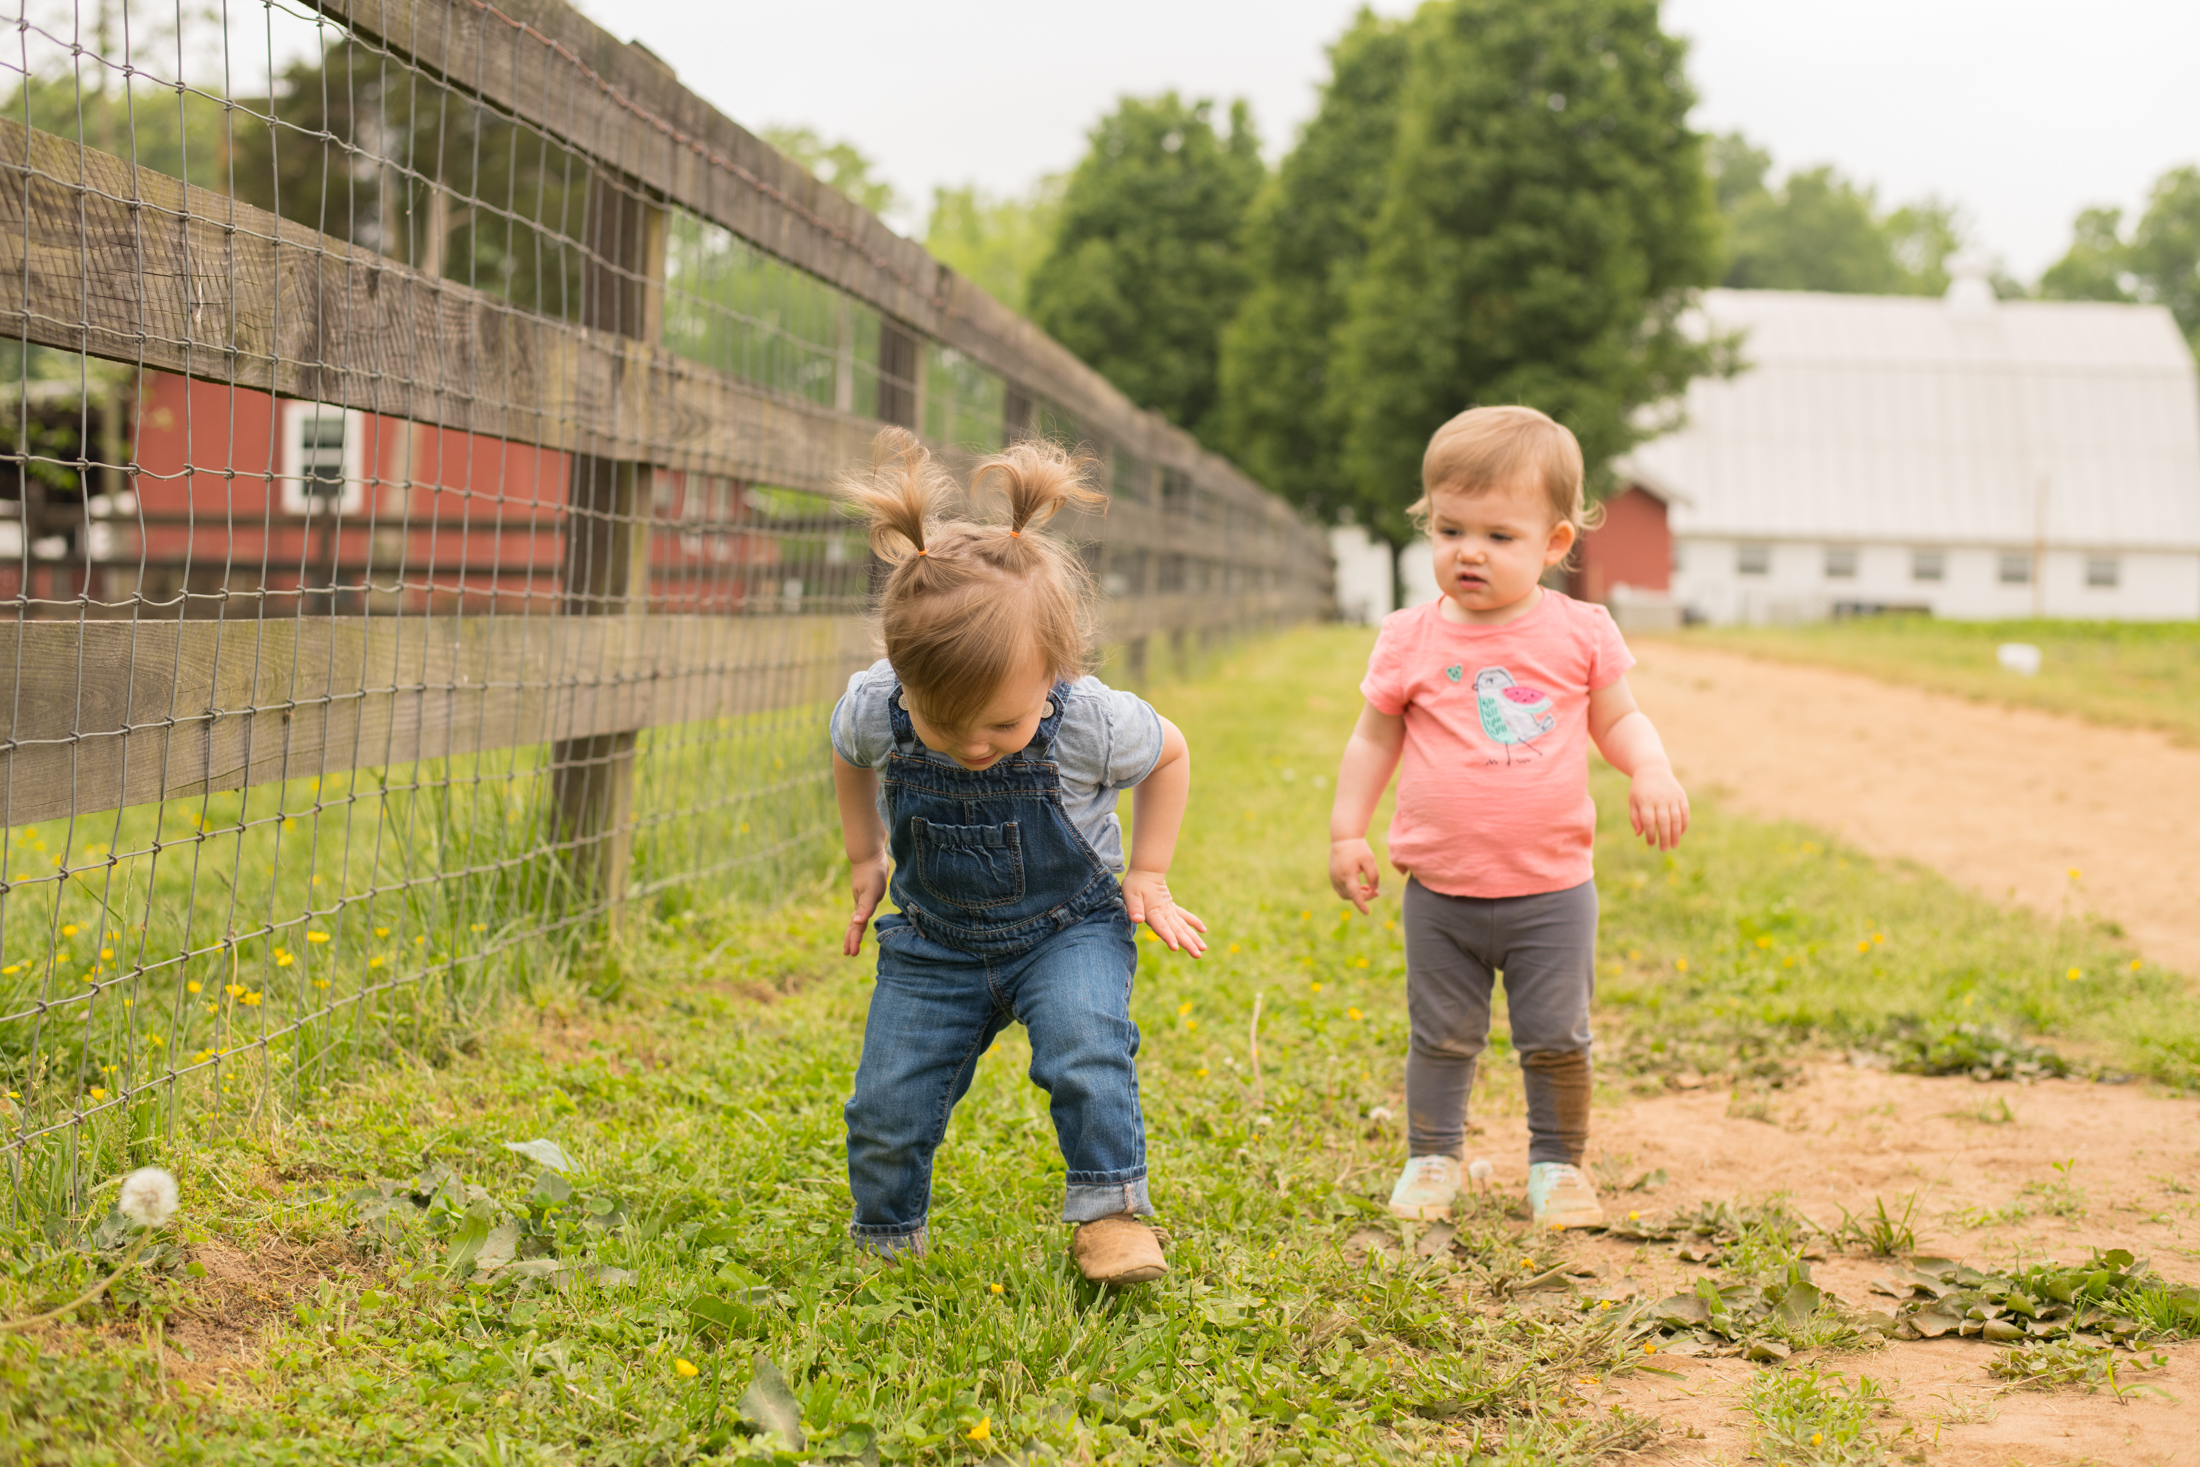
(380, 477)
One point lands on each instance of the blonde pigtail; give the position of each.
(901, 499)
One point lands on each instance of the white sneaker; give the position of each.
(1425, 1189)
(1561, 1197)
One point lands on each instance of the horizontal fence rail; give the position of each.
(419, 534)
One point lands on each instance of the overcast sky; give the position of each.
(2021, 111)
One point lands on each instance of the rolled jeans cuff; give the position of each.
(887, 1242)
(1090, 1204)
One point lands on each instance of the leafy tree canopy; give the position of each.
(2159, 261)
(1816, 230)
(841, 164)
(995, 241)
(1546, 220)
(1305, 243)
(1146, 265)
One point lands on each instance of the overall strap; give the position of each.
(1041, 746)
(897, 718)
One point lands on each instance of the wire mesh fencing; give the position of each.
(417, 529)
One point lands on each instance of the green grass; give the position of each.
(696, 1074)
(2124, 674)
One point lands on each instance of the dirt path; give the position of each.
(2007, 801)
(1844, 1137)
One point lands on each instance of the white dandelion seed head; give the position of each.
(148, 1197)
(1480, 1170)
(1379, 1113)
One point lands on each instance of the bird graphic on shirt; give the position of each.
(1511, 714)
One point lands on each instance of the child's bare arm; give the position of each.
(1157, 814)
(1657, 806)
(863, 835)
(1370, 758)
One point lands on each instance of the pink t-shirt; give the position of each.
(1493, 793)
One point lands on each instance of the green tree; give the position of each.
(1547, 220)
(1304, 246)
(2165, 248)
(2097, 266)
(997, 242)
(840, 164)
(1817, 230)
(1146, 266)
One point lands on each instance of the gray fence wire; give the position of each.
(417, 534)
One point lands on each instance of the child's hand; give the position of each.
(868, 880)
(1146, 897)
(1354, 872)
(1658, 806)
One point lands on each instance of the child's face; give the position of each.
(1003, 726)
(1491, 547)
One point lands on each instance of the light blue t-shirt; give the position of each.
(1107, 742)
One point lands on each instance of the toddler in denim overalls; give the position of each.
(989, 770)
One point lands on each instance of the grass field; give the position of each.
(326, 1282)
(2144, 674)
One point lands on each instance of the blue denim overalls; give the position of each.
(1006, 915)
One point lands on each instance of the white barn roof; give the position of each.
(1938, 422)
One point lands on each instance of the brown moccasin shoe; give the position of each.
(1117, 1250)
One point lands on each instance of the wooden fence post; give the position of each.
(606, 569)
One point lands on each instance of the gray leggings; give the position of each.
(1545, 945)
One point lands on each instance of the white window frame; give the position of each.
(2015, 568)
(2104, 572)
(352, 499)
(1929, 565)
(1841, 562)
(1753, 558)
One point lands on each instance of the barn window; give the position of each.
(2016, 568)
(1928, 565)
(1752, 560)
(1840, 562)
(2105, 571)
(322, 450)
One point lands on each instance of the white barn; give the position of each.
(1969, 457)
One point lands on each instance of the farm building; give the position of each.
(1967, 457)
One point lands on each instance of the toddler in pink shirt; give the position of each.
(1492, 694)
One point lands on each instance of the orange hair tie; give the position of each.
(1015, 534)
(922, 551)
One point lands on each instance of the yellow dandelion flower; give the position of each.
(1183, 1009)
(381, 932)
(316, 937)
(252, 999)
(983, 1431)
(1317, 985)
(1680, 965)
(1634, 1217)
(994, 1289)
(420, 940)
(2075, 974)
(106, 954)
(481, 927)
(1863, 947)
(1191, 1024)
(320, 983)
(1200, 1073)
(1354, 1014)
(1233, 947)
(191, 986)
(68, 929)
(1306, 916)
(234, 990)
(2136, 965)
(1649, 1347)
(375, 961)
(12, 970)
(202, 1056)
(283, 959)
(2076, 874)
(156, 1041)
(98, 1094)
(685, 1369)
(1817, 1438)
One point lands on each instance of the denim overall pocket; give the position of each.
(970, 866)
